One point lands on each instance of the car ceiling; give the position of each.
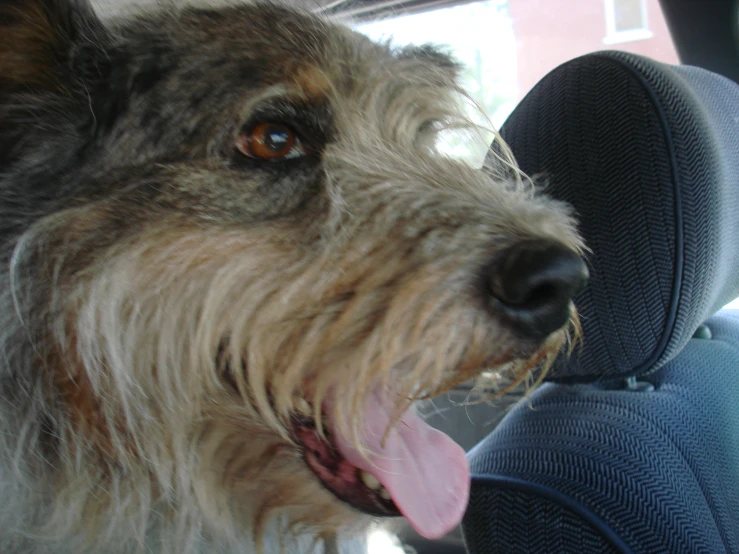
(358, 9)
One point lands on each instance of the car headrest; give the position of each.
(648, 155)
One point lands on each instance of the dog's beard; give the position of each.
(146, 331)
(149, 329)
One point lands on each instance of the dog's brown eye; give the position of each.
(270, 141)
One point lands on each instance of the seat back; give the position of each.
(633, 445)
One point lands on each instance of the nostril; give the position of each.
(535, 273)
(534, 282)
(541, 295)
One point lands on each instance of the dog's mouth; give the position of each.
(404, 468)
(348, 483)
(413, 470)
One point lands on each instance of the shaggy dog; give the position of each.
(231, 260)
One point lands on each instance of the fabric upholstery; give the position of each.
(648, 155)
(594, 462)
(659, 470)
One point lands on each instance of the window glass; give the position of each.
(627, 21)
(628, 15)
(507, 46)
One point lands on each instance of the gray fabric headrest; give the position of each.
(648, 154)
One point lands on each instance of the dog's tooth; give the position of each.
(370, 481)
(384, 494)
(303, 407)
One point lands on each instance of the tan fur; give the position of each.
(312, 83)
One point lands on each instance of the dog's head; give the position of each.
(235, 258)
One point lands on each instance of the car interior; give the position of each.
(631, 445)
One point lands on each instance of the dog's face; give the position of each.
(236, 258)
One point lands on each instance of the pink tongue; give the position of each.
(425, 472)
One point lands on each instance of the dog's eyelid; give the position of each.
(310, 121)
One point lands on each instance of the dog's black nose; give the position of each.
(534, 282)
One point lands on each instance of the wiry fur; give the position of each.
(164, 303)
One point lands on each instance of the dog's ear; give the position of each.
(42, 45)
(53, 53)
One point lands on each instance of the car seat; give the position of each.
(632, 445)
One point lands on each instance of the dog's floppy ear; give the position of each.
(53, 53)
(40, 43)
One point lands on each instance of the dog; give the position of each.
(232, 261)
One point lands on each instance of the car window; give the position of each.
(507, 46)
